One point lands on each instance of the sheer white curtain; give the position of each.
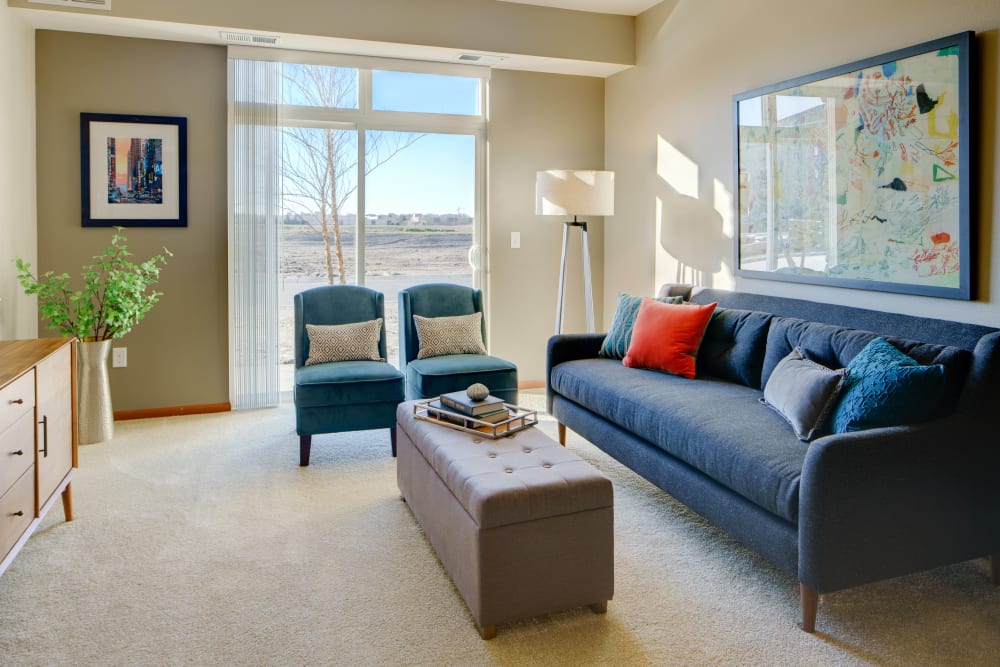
(254, 212)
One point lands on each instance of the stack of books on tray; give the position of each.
(458, 408)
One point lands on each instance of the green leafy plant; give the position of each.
(116, 293)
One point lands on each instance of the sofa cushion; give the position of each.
(619, 335)
(804, 393)
(666, 337)
(734, 345)
(715, 426)
(835, 347)
(886, 388)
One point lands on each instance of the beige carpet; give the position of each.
(199, 541)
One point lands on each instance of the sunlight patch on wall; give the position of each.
(678, 170)
(723, 201)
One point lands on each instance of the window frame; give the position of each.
(365, 119)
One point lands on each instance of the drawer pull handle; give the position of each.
(16, 401)
(17, 513)
(19, 452)
(45, 436)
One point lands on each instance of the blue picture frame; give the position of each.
(861, 176)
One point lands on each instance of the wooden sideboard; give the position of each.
(38, 447)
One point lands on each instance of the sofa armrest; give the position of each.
(886, 502)
(568, 347)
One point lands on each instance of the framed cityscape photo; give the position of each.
(133, 170)
(862, 175)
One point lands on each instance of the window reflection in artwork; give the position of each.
(860, 176)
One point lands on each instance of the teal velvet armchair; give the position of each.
(337, 396)
(436, 375)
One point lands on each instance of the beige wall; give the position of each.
(477, 25)
(17, 172)
(538, 122)
(692, 57)
(178, 354)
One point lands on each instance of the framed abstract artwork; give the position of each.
(860, 176)
(133, 170)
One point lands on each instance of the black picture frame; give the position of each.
(861, 176)
(139, 184)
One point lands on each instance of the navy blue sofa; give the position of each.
(840, 511)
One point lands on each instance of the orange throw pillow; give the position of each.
(666, 336)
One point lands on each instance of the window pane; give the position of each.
(319, 86)
(426, 93)
(317, 235)
(419, 215)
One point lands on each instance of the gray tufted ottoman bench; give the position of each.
(522, 525)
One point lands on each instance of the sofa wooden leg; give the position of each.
(810, 602)
(995, 569)
(562, 434)
(599, 607)
(487, 631)
(392, 440)
(305, 445)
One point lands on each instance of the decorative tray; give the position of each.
(520, 419)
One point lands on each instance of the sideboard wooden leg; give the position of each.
(562, 434)
(810, 602)
(67, 500)
(995, 569)
(487, 631)
(599, 607)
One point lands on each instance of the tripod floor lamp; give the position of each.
(576, 193)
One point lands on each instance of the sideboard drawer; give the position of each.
(17, 450)
(17, 510)
(16, 399)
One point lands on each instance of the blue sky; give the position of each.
(436, 174)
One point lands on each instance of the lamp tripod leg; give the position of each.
(588, 291)
(562, 279)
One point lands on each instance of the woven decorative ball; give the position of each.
(477, 392)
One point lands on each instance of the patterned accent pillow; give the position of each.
(344, 342)
(619, 334)
(886, 387)
(458, 334)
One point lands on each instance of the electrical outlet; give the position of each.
(515, 240)
(119, 357)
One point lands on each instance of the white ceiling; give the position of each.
(626, 7)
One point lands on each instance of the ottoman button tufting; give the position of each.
(526, 450)
(508, 470)
(491, 455)
(546, 465)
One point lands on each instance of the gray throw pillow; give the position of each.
(458, 334)
(803, 392)
(357, 341)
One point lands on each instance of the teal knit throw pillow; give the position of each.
(619, 335)
(886, 387)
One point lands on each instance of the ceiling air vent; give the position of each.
(470, 57)
(248, 38)
(79, 4)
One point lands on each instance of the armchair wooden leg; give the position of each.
(562, 434)
(810, 602)
(305, 444)
(392, 440)
(995, 569)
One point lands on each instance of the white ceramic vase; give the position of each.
(95, 417)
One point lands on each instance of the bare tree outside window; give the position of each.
(320, 164)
